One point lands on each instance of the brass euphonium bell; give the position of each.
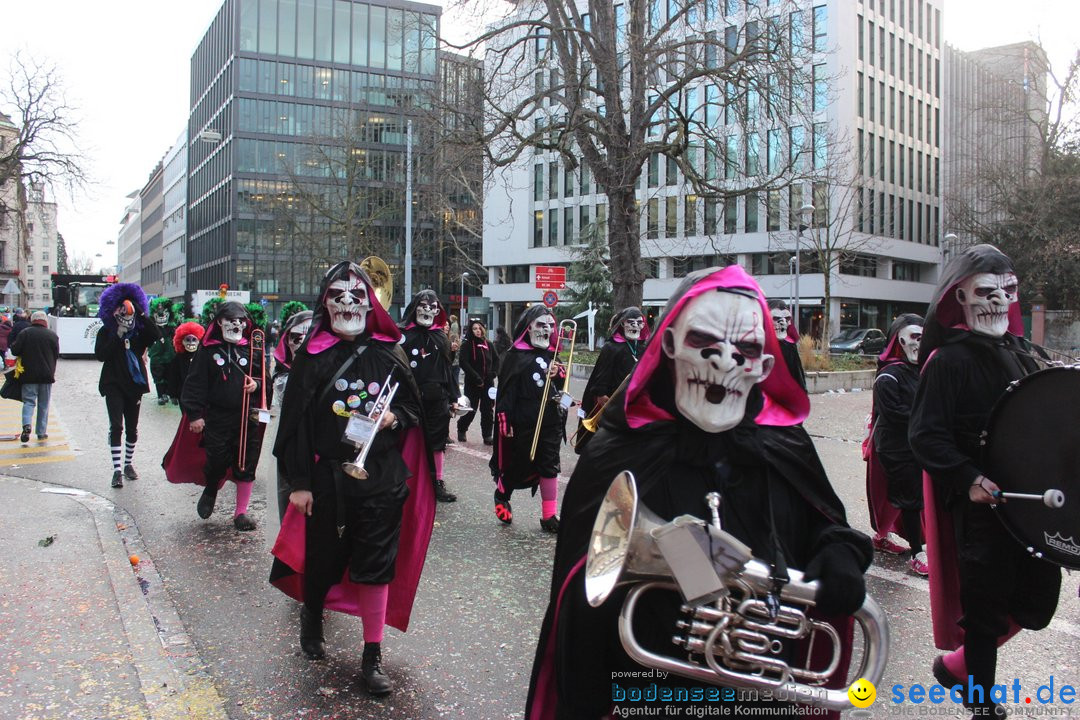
(736, 625)
(381, 279)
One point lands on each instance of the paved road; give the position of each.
(228, 641)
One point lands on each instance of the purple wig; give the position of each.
(114, 296)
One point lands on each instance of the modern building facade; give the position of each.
(174, 223)
(152, 203)
(296, 140)
(129, 241)
(876, 95)
(14, 243)
(40, 258)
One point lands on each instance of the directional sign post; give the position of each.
(550, 299)
(550, 277)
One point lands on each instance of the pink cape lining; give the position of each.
(185, 459)
(785, 402)
(884, 518)
(417, 523)
(279, 353)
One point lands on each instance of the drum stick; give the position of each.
(1051, 498)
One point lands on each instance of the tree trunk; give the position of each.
(826, 305)
(624, 244)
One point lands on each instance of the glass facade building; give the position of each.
(297, 140)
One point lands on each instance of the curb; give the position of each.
(171, 674)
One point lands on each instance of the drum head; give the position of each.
(1032, 444)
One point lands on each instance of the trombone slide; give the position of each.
(567, 331)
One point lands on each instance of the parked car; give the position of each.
(868, 341)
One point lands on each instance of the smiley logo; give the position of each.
(862, 693)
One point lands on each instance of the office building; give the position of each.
(151, 201)
(174, 222)
(129, 242)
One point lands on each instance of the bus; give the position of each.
(73, 316)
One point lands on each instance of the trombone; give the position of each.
(567, 331)
(256, 346)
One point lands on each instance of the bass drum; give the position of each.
(1033, 444)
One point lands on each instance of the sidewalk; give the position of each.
(83, 633)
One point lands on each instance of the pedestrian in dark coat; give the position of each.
(480, 364)
(19, 323)
(37, 348)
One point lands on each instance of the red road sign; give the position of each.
(550, 299)
(550, 277)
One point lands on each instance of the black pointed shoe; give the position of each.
(25, 437)
(243, 523)
(550, 524)
(118, 479)
(442, 494)
(377, 682)
(461, 436)
(311, 634)
(205, 508)
(489, 440)
(129, 472)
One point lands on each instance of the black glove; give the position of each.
(842, 587)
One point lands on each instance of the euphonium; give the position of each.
(381, 279)
(737, 622)
(567, 332)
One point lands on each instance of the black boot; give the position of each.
(311, 634)
(129, 472)
(371, 669)
(205, 507)
(25, 437)
(117, 479)
(461, 435)
(550, 525)
(442, 494)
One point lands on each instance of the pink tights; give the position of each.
(372, 602)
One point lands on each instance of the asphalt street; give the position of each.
(193, 629)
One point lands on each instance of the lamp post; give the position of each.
(463, 276)
(948, 243)
(806, 214)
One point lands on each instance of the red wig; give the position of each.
(185, 329)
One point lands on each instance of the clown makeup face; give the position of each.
(986, 299)
(161, 317)
(540, 332)
(717, 345)
(632, 327)
(781, 320)
(232, 329)
(191, 343)
(426, 310)
(125, 317)
(909, 337)
(296, 335)
(348, 303)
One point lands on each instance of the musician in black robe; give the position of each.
(788, 335)
(984, 586)
(221, 374)
(709, 407)
(427, 348)
(522, 381)
(627, 334)
(894, 392)
(352, 545)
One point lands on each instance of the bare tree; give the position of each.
(81, 264)
(44, 152)
(608, 86)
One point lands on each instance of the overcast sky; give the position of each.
(125, 66)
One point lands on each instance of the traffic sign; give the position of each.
(550, 277)
(550, 299)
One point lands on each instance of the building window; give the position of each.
(671, 216)
(44, 254)
(553, 228)
(654, 170)
(905, 271)
(553, 180)
(538, 182)
(653, 220)
(821, 16)
(690, 216)
(821, 88)
(586, 181)
(861, 265)
(568, 226)
(29, 282)
(538, 229)
(751, 213)
(568, 183)
(731, 216)
(45, 269)
(772, 210)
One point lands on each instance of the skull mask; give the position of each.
(348, 304)
(632, 327)
(426, 310)
(161, 317)
(540, 332)
(986, 299)
(781, 320)
(295, 337)
(717, 345)
(910, 336)
(232, 329)
(191, 343)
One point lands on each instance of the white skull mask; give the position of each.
(986, 299)
(781, 320)
(191, 343)
(295, 337)
(909, 338)
(232, 329)
(717, 344)
(348, 303)
(426, 312)
(540, 332)
(632, 327)
(161, 317)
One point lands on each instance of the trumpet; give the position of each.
(567, 331)
(737, 620)
(367, 427)
(592, 423)
(256, 347)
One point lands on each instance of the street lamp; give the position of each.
(463, 276)
(948, 243)
(806, 214)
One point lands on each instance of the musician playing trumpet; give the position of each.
(709, 407)
(222, 372)
(522, 382)
(350, 544)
